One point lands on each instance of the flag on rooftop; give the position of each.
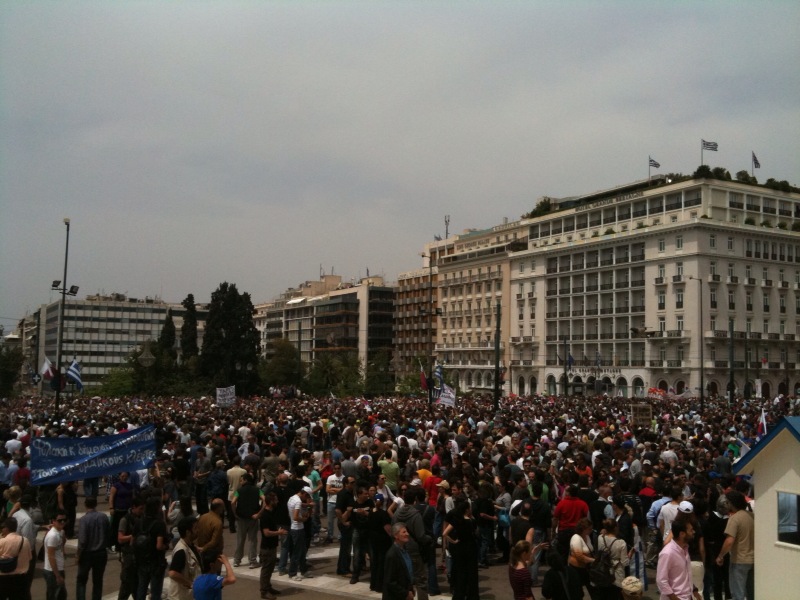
(74, 374)
(710, 145)
(756, 164)
(654, 163)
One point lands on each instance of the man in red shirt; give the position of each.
(569, 511)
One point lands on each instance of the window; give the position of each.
(662, 271)
(748, 271)
(713, 266)
(662, 324)
(662, 300)
(712, 241)
(788, 531)
(680, 353)
(781, 275)
(679, 268)
(731, 270)
(533, 266)
(713, 324)
(764, 273)
(679, 242)
(679, 323)
(662, 245)
(521, 267)
(731, 300)
(730, 243)
(679, 301)
(748, 325)
(782, 327)
(765, 326)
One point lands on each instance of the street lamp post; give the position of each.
(430, 313)
(72, 291)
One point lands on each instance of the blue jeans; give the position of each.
(298, 562)
(94, 562)
(345, 550)
(55, 591)
(536, 559)
(486, 533)
(741, 580)
(360, 550)
(286, 552)
(331, 519)
(152, 575)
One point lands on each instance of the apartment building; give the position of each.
(416, 318)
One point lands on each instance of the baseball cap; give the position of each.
(685, 507)
(307, 490)
(378, 497)
(647, 461)
(220, 463)
(444, 484)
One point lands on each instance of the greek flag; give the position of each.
(654, 163)
(756, 164)
(710, 145)
(74, 374)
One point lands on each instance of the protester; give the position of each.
(185, 564)
(93, 534)
(398, 580)
(674, 574)
(208, 585)
(739, 543)
(271, 532)
(54, 543)
(13, 583)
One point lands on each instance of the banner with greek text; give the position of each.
(226, 396)
(448, 396)
(68, 459)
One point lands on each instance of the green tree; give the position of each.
(11, 360)
(745, 177)
(338, 373)
(542, 208)
(189, 330)
(721, 173)
(230, 340)
(166, 340)
(285, 366)
(703, 172)
(379, 375)
(118, 382)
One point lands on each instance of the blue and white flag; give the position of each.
(74, 374)
(710, 145)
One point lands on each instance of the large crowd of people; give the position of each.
(557, 489)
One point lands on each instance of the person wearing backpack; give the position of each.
(581, 556)
(608, 544)
(150, 543)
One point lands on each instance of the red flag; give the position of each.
(423, 381)
(762, 424)
(47, 371)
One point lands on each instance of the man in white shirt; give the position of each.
(54, 543)
(333, 486)
(299, 506)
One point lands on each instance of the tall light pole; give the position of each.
(702, 357)
(430, 327)
(61, 319)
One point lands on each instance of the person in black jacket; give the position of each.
(398, 572)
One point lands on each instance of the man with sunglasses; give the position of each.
(54, 543)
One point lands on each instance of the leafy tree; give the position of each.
(745, 177)
(703, 172)
(166, 340)
(338, 373)
(189, 330)
(230, 339)
(11, 360)
(285, 366)
(721, 173)
(379, 375)
(118, 382)
(542, 208)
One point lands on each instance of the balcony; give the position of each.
(789, 337)
(766, 283)
(519, 296)
(591, 264)
(551, 315)
(577, 312)
(578, 289)
(677, 279)
(591, 288)
(733, 279)
(714, 277)
(590, 312)
(733, 204)
(639, 213)
(658, 364)
(720, 364)
(637, 257)
(636, 308)
(773, 336)
(675, 333)
(622, 259)
(754, 335)
(563, 313)
(551, 292)
(606, 262)
(591, 336)
(769, 211)
(659, 281)
(606, 286)
(576, 337)
(531, 294)
(637, 283)
(784, 284)
(713, 303)
(622, 284)
(773, 365)
(607, 336)
(563, 291)
(607, 311)
(749, 281)
(674, 364)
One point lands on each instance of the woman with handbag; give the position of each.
(15, 558)
(580, 557)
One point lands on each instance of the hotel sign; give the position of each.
(607, 201)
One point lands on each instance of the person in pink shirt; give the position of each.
(674, 573)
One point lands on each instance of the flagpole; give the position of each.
(649, 165)
(701, 153)
(61, 320)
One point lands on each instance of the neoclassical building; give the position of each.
(654, 284)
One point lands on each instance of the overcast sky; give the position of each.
(192, 143)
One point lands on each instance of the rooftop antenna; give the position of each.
(446, 226)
